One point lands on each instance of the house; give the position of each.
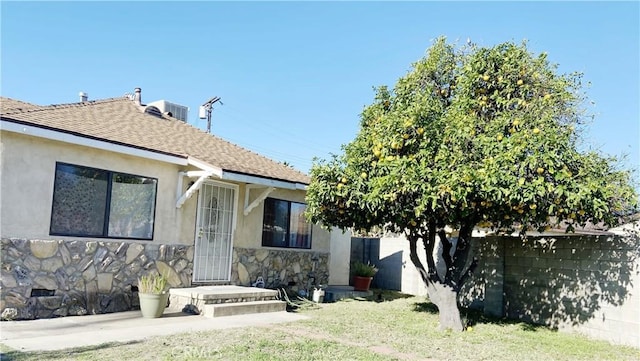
(96, 193)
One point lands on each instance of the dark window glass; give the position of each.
(284, 225)
(98, 203)
(79, 197)
(132, 206)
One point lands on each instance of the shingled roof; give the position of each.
(121, 121)
(12, 105)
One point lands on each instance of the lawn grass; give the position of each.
(396, 328)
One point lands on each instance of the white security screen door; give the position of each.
(214, 233)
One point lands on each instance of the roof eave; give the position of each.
(50, 133)
(263, 181)
(15, 126)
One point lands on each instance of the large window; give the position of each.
(91, 202)
(284, 225)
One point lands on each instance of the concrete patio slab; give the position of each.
(78, 331)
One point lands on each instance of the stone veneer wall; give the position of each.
(85, 277)
(293, 269)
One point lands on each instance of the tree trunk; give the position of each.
(446, 298)
(442, 291)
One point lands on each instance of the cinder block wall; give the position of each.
(588, 284)
(585, 284)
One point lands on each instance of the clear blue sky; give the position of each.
(294, 76)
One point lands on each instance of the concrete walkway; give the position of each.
(77, 331)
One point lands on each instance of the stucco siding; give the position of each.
(27, 175)
(339, 258)
(249, 228)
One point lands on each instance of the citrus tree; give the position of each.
(470, 136)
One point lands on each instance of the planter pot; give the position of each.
(152, 305)
(361, 283)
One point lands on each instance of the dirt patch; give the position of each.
(379, 349)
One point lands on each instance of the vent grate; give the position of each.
(42, 292)
(150, 109)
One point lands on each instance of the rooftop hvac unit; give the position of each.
(177, 111)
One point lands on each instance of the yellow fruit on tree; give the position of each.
(536, 130)
(485, 77)
(499, 137)
(344, 180)
(520, 82)
(540, 170)
(547, 96)
(533, 206)
(516, 123)
(420, 130)
(363, 175)
(521, 181)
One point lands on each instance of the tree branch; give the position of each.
(461, 255)
(446, 254)
(413, 255)
(465, 276)
(429, 244)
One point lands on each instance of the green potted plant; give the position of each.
(362, 275)
(153, 292)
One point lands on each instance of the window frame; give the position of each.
(288, 230)
(106, 206)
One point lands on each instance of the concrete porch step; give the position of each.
(242, 308)
(224, 294)
(337, 293)
(226, 300)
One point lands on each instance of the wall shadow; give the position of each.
(569, 280)
(472, 317)
(389, 276)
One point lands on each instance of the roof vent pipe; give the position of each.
(137, 97)
(83, 96)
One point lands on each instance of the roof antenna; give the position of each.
(206, 109)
